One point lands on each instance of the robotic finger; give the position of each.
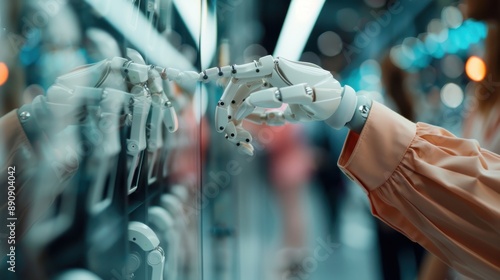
(240, 135)
(162, 108)
(68, 105)
(231, 130)
(242, 94)
(245, 148)
(221, 111)
(102, 74)
(185, 79)
(170, 117)
(271, 118)
(268, 98)
(152, 76)
(242, 138)
(236, 134)
(113, 101)
(275, 97)
(234, 94)
(244, 72)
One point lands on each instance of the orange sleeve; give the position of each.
(439, 190)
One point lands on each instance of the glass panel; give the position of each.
(115, 141)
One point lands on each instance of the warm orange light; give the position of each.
(4, 73)
(475, 68)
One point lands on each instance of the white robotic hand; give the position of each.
(67, 101)
(113, 92)
(294, 92)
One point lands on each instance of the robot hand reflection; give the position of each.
(118, 90)
(137, 85)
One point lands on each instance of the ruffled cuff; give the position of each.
(371, 157)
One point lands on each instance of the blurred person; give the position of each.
(482, 122)
(290, 165)
(326, 145)
(394, 82)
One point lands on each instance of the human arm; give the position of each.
(439, 190)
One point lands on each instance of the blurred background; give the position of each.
(287, 212)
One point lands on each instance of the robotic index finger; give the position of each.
(245, 78)
(241, 73)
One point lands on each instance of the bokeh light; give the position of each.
(329, 43)
(399, 58)
(311, 57)
(475, 68)
(408, 48)
(452, 17)
(452, 66)
(254, 52)
(433, 46)
(437, 28)
(481, 28)
(31, 92)
(347, 19)
(370, 71)
(452, 95)
(4, 73)
(451, 45)
(373, 95)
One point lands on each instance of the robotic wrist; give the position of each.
(352, 112)
(361, 113)
(34, 118)
(345, 110)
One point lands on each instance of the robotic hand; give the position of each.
(111, 93)
(294, 92)
(136, 85)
